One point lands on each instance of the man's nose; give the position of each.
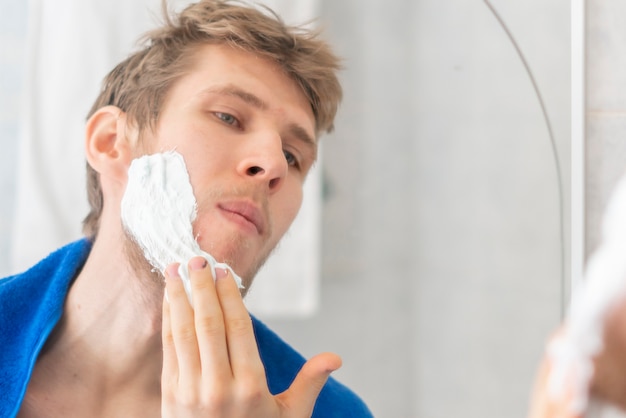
(265, 161)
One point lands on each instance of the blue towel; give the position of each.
(31, 304)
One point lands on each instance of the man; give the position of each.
(88, 332)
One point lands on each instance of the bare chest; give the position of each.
(60, 401)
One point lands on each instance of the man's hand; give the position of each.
(211, 363)
(542, 406)
(609, 378)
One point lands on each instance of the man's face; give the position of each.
(247, 134)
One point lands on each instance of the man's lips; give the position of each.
(247, 211)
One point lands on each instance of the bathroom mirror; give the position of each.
(448, 240)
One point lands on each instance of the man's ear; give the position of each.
(107, 146)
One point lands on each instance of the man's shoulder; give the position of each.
(32, 298)
(31, 303)
(282, 364)
(59, 266)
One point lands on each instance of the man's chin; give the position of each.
(248, 276)
(239, 254)
(141, 267)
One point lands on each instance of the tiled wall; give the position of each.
(606, 108)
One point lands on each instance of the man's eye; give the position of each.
(227, 118)
(291, 159)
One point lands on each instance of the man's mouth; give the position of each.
(244, 213)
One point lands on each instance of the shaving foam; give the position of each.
(604, 287)
(158, 209)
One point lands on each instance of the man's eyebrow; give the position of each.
(296, 130)
(231, 90)
(301, 134)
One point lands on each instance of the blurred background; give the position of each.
(438, 233)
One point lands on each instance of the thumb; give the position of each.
(300, 398)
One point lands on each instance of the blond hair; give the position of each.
(139, 84)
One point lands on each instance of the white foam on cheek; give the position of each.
(604, 287)
(158, 209)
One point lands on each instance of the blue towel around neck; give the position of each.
(31, 304)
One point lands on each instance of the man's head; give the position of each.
(140, 85)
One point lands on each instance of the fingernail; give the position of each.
(220, 273)
(197, 263)
(172, 271)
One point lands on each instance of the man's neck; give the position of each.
(106, 349)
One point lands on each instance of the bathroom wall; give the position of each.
(489, 244)
(441, 238)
